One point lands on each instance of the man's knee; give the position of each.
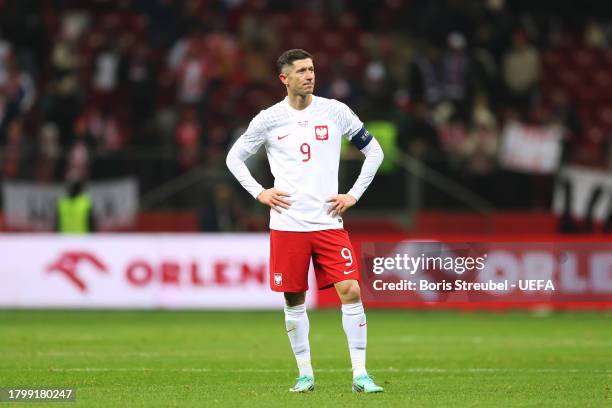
(295, 298)
(349, 291)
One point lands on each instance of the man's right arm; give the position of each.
(236, 157)
(272, 197)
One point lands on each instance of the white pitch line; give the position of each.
(95, 354)
(273, 370)
(119, 354)
(527, 341)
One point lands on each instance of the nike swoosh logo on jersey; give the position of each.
(361, 325)
(282, 137)
(347, 272)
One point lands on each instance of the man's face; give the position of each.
(299, 78)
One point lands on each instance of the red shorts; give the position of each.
(332, 255)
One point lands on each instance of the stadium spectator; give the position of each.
(339, 86)
(104, 127)
(485, 68)
(5, 54)
(479, 149)
(377, 91)
(18, 86)
(74, 213)
(48, 153)
(419, 137)
(457, 72)
(61, 101)
(193, 67)
(564, 112)
(78, 160)
(426, 76)
(14, 150)
(565, 115)
(106, 79)
(188, 139)
(142, 84)
(521, 71)
(595, 35)
(224, 212)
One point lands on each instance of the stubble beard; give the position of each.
(306, 91)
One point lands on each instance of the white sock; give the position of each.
(354, 323)
(298, 326)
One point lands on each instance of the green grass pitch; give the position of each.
(423, 359)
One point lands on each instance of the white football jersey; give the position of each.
(303, 148)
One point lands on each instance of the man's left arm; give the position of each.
(374, 155)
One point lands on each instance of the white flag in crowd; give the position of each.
(531, 149)
(32, 206)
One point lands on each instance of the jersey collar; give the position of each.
(306, 109)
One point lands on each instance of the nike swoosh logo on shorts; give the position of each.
(361, 325)
(347, 272)
(282, 137)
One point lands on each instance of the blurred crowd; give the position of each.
(104, 88)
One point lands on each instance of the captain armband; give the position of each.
(362, 138)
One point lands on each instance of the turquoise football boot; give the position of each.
(364, 383)
(304, 383)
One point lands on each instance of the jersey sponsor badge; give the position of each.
(278, 279)
(321, 132)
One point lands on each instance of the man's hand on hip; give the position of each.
(340, 203)
(274, 199)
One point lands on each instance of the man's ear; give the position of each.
(283, 78)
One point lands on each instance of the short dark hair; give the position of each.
(289, 56)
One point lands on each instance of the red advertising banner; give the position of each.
(137, 271)
(486, 272)
(230, 271)
(470, 273)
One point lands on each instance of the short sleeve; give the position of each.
(349, 123)
(255, 135)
